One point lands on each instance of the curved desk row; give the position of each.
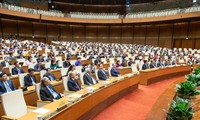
(156, 112)
(98, 21)
(86, 106)
(153, 75)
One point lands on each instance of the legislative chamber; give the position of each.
(99, 59)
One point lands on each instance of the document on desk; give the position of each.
(76, 95)
(41, 111)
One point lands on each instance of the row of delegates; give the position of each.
(6, 85)
(30, 78)
(6, 62)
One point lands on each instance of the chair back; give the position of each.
(96, 74)
(81, 78)
(21, 79)
(37, 89)
(14, 104)
(65, 82)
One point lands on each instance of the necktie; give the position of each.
(77, 84)
(18, 70)
(55, 95)
(104, 73)
(51, 77)
(33, 82)
(7, 87)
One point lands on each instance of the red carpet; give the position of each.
(136, 105)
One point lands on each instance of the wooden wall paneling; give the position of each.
(187, 43)
(103, 9)
(194, 30)
(115, 34)
(9, 27)
(127, 34)
(165, 37)
(152, 35)
(1, 29)
(180, 30)
(177, 43)
(91, 33)
(90, 8)
(78, 7)
(103, 34)
(53, 32)
(139, 34)
(197, 44)
(78, 33)
(66, 32)
(25, 29)
(39, 30)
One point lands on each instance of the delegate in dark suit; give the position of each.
(3, 88)
(29, 80)
(73, 85)
(37, 69)
(152, 65)
(46, 95)
(102, 75)
(144, 67)
(88, 79)
(66, 64)
(4, 63)
(50, 76)
(114, 72)
(16, 71)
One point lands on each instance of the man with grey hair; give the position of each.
(47, 92)
(72, 83)
(88, 79)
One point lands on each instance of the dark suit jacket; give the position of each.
(88, 79)
(144, 67)
(15, 71)
(46, 95)
(72, 86)
(97, 61)
(4, 64)
(28, 80)
(130, 63)
(49, 75)
(3, 88)
(114, 72)
(152, 65)
(66, 64)
(36, 68)
(101, 75)
(166, 63)
(159, 64)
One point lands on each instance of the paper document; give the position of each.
(76, 95)
(41, 111)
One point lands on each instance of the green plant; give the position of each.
(179, 110)
(197, 71)
(195, 79)
(186, 89)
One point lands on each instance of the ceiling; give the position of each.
(106, 2)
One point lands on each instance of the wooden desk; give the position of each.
(106, 66)
(15, 80)
(153, 75)
(195, 66)
(30, 95)
(37, 76)
(156, 112)
(25, 68)
(86, 62)
(89, 106)
(125, 70)
(56, 73)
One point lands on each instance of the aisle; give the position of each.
(136, 105)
